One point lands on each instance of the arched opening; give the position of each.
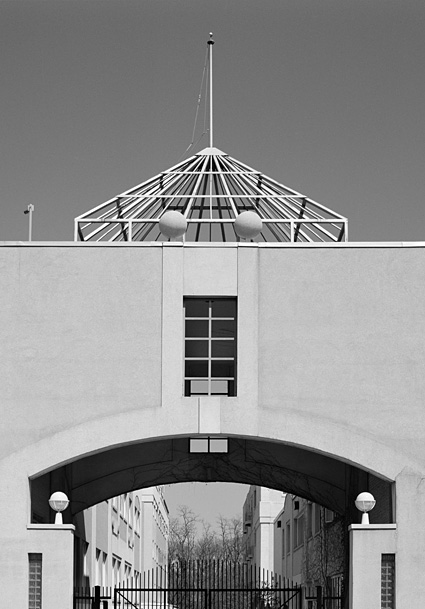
(321, 478)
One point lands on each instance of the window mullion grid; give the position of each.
(209, 339)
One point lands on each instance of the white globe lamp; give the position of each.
(173, 225)
(248, 225)
(364, 503)
(58, 502)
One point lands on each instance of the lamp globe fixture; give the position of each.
(364, 503)
(58, 502)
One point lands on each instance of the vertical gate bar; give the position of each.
(222, 584)
(207, 577)
(226, 584)
(213, 579)
(224, 594)
(280, 592)
(96, 600)
(319, 596)
(250, 584)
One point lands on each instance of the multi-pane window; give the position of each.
(388, 581)
(34, 583)
(210, 346)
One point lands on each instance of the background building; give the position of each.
(310, 546)
(259, 512)
(119, 540)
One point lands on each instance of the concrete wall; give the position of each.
(55, 544)
(367, 544)
(330, 356)
(324, 333)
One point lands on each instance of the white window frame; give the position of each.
(209, 379)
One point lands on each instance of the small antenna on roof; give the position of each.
(210, 43)
(29, 211)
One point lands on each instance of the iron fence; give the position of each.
(207, 585)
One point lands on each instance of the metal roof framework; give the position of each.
(211, 189)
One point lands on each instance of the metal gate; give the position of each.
(210, 585)
(207, 585)
(200, 598)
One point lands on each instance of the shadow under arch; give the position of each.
(320, 478)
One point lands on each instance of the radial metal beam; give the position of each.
(213, 181)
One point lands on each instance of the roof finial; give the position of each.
(210, 43)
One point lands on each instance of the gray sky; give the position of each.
(325, 96)
(208, 500)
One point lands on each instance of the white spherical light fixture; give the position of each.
(58, 502)
(248, 225)
(173, 224)
(364, 503)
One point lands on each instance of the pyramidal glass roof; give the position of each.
(211, 189)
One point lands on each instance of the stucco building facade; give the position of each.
(119, 540)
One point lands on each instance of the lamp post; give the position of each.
(29, 211)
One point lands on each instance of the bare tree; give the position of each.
(187, 543)
(183, 534)
(232, 543)
(207, 546)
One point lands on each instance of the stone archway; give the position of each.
(321, 478)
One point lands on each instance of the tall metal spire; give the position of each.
(210, 43)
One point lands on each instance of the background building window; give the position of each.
(317, 510)
(298, 531)
(329, 516)
(309, 520)
(210, 346)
